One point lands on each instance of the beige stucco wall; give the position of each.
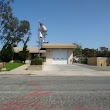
(98, 61)
(48, 56)
(43, 54)
(70, 55)
(92, 61)
(101, 61)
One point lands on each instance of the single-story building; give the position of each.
(33, 52)
(58, 53)
(54, 53)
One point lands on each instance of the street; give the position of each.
(24, 92)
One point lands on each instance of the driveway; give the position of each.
(66, 68)
(74, 70)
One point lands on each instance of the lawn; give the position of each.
(10, 66)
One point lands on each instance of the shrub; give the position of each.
(43, 58)
(84, 61)
(23, 55)
(37, 61)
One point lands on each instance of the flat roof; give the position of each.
(58, 46)
(31, 50)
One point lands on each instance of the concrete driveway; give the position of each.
(66, 68)
(74, 70)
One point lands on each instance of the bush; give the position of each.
(23, 55)
(84, 61)
(43, 58)
(37, 61)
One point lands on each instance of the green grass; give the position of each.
(10, 66)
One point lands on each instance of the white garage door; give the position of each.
(59, 56)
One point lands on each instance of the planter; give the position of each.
(35, 67)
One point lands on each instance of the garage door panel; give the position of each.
(59, 61)
(59, 56)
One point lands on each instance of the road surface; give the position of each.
(23, 92)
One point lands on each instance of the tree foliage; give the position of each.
(24, 30)
(89, 52)
(7, 53)
(5, 13)
(15, 31)
(103, 52)
(9, 33)
(12, 30)
(77, 51)
(23, 55)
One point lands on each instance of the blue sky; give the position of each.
(86, 22)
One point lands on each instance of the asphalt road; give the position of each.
(54, 93)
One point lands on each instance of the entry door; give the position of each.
(59, 56)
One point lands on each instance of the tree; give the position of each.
(7, 53)
(5, 13)
(103, 48)
(24, 30)
(12, 31)
(77, 51)
(15, 31)
(23, 55)
(89, 52)
(103, 52)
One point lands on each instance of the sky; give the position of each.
(86, 22)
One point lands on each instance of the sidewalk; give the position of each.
(20, 70)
